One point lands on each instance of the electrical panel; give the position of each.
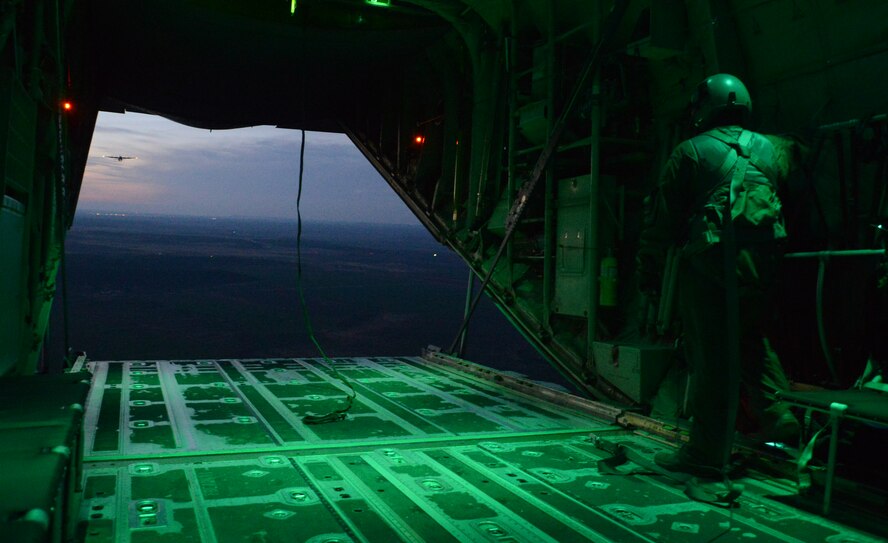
(572, 276)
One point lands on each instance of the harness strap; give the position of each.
(743, 145)
(736, 150)
(741, 164)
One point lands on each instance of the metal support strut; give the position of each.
(518, 207)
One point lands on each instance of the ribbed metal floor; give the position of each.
(215, 451)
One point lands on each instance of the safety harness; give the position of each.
(749, 203)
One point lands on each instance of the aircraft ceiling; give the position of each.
(225, 65)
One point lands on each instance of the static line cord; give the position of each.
(338, 414)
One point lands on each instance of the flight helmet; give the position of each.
(720, 99)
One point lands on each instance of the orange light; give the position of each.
(419, 139)
(67, 105)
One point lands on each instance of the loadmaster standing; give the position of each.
(726, 271)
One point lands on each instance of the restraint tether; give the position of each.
(338, 414)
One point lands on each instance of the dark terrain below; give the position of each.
(145, 287)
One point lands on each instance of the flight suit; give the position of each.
(687, 210)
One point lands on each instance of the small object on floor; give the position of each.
(720, 493)
(783, 429)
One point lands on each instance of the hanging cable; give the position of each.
(61, 198)
(821, 327)
(338, 414)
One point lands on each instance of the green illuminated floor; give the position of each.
(215, 451)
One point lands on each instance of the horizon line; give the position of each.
(142, 214)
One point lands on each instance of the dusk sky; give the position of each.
(247, 172)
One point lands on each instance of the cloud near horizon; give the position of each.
(246, 172)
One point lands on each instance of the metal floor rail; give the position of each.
(215, 451)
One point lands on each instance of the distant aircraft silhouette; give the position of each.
(121, 158)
